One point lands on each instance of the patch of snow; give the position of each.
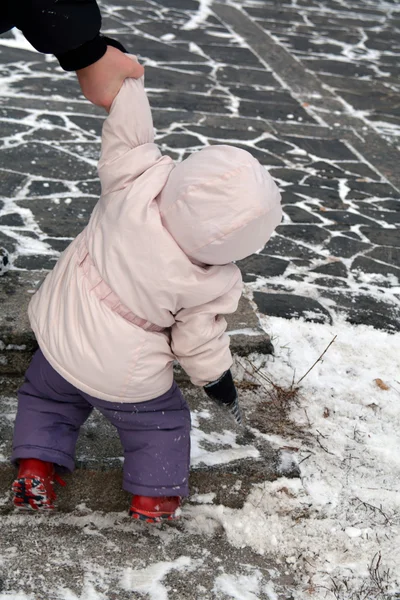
(149, 579)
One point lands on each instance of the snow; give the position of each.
(149, 580)
(244, 587)
(331, 524)
(345, 509)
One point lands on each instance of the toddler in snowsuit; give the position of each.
(144, 284)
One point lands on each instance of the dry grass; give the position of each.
(376, 587)
(273, 415)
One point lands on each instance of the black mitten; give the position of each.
(224, 392)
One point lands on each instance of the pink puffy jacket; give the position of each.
(135, 290)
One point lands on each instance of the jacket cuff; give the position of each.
(223, 390)
(87, 54)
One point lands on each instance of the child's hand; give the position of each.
(224, 392)
(101, 81)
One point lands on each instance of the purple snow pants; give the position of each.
(155, 435)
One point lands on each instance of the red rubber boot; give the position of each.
(33, 488)
(154, 510)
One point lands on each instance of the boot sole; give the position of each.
(152, 518)
(30, 494)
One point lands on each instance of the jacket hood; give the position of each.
(220, 205)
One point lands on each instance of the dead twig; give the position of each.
(374, 509)
(323, 447)
(318, 359)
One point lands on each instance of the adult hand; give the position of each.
(101, 81)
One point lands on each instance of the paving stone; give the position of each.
(13, 55)
(327, 169)
(262, 265)
(224, 133)
(13, 113)
(45, 161)
(263, 96)
(35, 262)
(12, 220)
(338, 67)
(291, 306)
(368, 265)
(336, 269)
(278, 147)
(386, 254)
(301, 262)
(385, 101)
(63, 219)
(345, 247)
(330, 282)
(301, 44)
(199, 94)
(373, 212)
(232, 56)
(159, 78)
(354, 195)
(380, 190)
(190, 102)
(312, 234)
(180, 140)
(47, 188)
(346, 217)
(57, 244)
(10, 182)
(10, 129)
(382, 237)
(388, 205)
(333, 149)
(210, 35)
(291, 175)
(321, 182)
(279, 112)
(289, 198)
(89, 124)
(300, 215)
(366, 310)
(183, 4)
(90, 187)
(281, 246)
(65, 87)
(163, 53)
(7, 242)
(248, 76)
(51, 135)
(275, 13)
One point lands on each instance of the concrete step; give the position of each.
(17, 341)
(222, 454)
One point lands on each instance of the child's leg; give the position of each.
(155, 436)
(50, 414)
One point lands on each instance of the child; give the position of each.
(143, 284)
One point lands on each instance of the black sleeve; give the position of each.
(69, 29)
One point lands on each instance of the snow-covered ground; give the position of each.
(341, 521)
(336, 529)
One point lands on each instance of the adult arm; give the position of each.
(70, 29)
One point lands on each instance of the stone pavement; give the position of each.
(310, 88)
(91, 534)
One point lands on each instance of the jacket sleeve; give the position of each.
(199, 339)
(70, 29)
(129, 123)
